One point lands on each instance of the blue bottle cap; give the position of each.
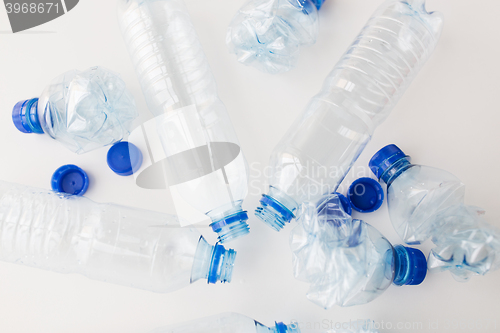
(410, 266)
(124, 158)
(384, 158)
(25, 117)
(365, 195)
(70, 179)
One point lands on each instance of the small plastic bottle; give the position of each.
(268, 34)
(228, 322)
(106, 242)
(348, 262)
(204, 161)
(425, 203)
(319, 149)
(82, 110)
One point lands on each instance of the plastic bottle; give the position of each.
(268, 34)
(425, 203)
(82, 110)
(227, 322)
(204, 159)
(314, 156)
(106, 242)
(348, 262)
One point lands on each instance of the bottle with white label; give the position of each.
(204, 161)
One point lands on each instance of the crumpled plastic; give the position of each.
(345, 261)
(267, 34)
(466, 245)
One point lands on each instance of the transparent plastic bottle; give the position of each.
(425, 203)
(314, 156)
(106, 242)
(204, 159)
(227, 323)
(268, 34)
(348, 262)
(416, 194)
(82, 110)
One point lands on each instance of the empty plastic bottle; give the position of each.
(106, 242)
(227, 322)
(425, 203)
(82, 110)
(204, 159)
(348, 262)
(268, 34)
(314, 156)
(416, 194)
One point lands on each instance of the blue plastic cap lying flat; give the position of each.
(124, 158)
(384, 158)
(365, 195)
(70, 179)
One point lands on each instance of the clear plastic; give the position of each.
(321, 146)
(417, 196)
(204, 159)
(346, 261)
(268, 34)
(86, 110)
(466, 245)
(106, 242)
(227, 323)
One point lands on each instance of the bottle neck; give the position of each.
(278, 328)
(229, 222)
(410, 266)
(213, 263)
(395, 170)
(25, 116)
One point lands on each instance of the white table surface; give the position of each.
(448, 118)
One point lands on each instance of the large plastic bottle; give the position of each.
(106, 242)
(268, 34)
(204, 159)
(318, 150)
(348, 262)
(227, 323)
(426, 202)
(82, 110)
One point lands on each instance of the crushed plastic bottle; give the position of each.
(204, 160)
(346, 261)
(318, 151)
(466, 245)
(227, 322)
(425, 203)
(268, 34)
(82, 110)
(106, 242)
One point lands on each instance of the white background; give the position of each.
(448, 118)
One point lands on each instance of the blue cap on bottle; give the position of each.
(25, 117)
(124, 158)
(70, 179)
(365, 195)
(384, 158)
(410, 266)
